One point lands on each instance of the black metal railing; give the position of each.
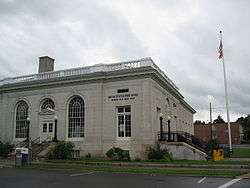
(179, 136)
(22, 144)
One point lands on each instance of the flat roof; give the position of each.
(125, 65)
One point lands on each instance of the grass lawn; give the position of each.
(179, 162)
(241, 152)
(142, 170)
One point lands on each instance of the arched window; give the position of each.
(168, 102)
(47, 104)
(21, 119)
(76, 117)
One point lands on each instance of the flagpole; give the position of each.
(226, 97)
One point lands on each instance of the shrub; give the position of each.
(212, 144)
(5, 149)
(62, 150)
(157, 153)
(88, 156)
(137, 159)
(118, 154)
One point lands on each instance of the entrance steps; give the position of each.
(182, 150)
(42, 150)
(39, 150)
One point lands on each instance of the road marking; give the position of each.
(81, 174)
(230, 183)
(201, 180)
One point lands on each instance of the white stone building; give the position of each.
(96, 107)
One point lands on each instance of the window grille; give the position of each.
(75, 154)
(76, 118)
(44, 127)
(21, 119)
(47, 104)
(124, 121)
(50, 127)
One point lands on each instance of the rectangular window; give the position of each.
(122, 90)
(124, 121)
(75, 154)
(44, 127)
(50, 127)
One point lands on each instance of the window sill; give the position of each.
(79, 139)
(123, 138)
(19, 139)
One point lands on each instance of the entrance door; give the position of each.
(47, 131)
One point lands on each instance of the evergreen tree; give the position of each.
(219, 120)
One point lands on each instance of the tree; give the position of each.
(198, 122)
(219, 120)
(245, 123)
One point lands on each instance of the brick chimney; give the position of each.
(46, 64)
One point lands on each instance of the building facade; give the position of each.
(96, 107)
(218, 131)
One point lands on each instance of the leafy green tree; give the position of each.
(198, 122)
(219, 119)
(245, 123)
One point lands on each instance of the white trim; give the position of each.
(68, 99)
(53, 98)
(14, 120)
(76, 139)
(117, 121)
(123, 138)
(43, 100)
(49, 134)
(18, 139)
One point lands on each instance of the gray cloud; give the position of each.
(181, 36)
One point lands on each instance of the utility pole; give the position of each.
(211, 120)
(210, 107)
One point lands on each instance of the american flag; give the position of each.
(220, 50)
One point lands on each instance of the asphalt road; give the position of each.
(25, 178)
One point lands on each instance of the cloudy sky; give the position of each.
(180, 36)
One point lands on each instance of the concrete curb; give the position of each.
(7, 165)
(126, 164)
(245, 176)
